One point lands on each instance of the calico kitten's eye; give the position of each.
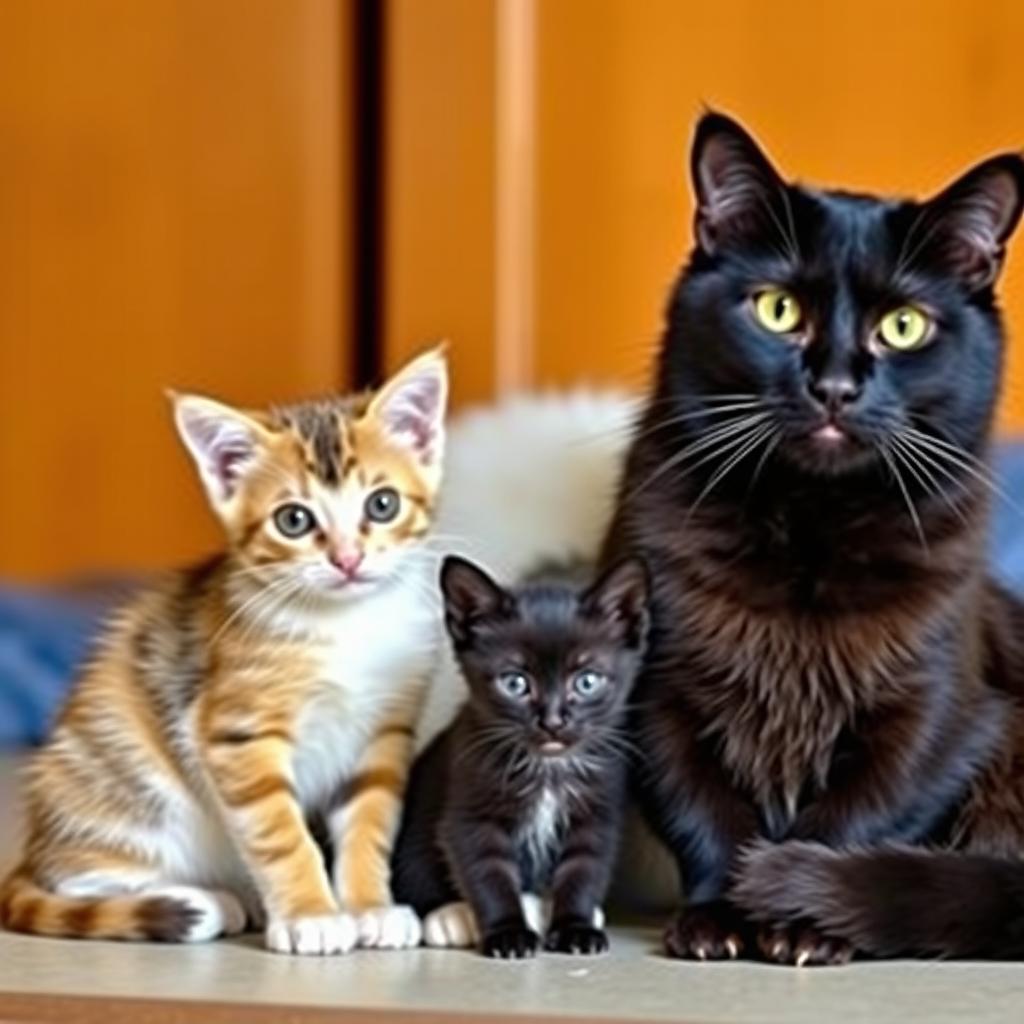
(294, 520)
(513, 684)
(778, 311)
(589, 683)
(382, 505)
(905, 328)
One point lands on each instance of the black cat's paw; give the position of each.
(516, 942)
(706, 931)
(802, 945)
(576, 937)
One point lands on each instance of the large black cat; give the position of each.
(829, 661)
(524, 792)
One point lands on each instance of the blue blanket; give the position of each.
(44, 635)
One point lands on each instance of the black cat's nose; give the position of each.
(553, 723)
(833, 391)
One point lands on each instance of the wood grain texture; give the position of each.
(171, 183)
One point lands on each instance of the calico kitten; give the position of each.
(829, 660)
(280, 680)
(524, 791)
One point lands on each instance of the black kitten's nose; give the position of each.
(833, 392)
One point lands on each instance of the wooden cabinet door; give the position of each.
(172, 183)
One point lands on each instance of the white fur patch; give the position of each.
(217, 912)
(541, 832)
(395, 927)
(452, 926)
(313, 936)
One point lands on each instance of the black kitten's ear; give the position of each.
(470, 596)
(738, 191)
(966, 226)
(620, 598)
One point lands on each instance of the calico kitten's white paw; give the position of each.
(209, 912)
(325, 935)
(452, 926)
(395, 927)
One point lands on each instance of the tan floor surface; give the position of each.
(632, 982)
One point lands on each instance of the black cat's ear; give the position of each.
(470, 597)
(620, 599)
(966, 226)
(737, 189)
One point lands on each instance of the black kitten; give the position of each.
(524, 791)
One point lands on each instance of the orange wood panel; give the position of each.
(871, 95)
(170, 215)
(440, 200)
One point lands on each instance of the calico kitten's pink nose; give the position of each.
(347, 560)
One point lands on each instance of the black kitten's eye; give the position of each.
(382, 505)
(588, 683)
(294, 520)
(513, 684)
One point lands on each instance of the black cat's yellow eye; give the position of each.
(294, 520)
(778, 311)
(588, 683)
(905, 328)
(513, 684)
(382, 505)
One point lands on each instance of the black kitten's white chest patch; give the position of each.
(540, 833)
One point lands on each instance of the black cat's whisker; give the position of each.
(773, 443)
(964, 460)
(752, 443)
(709, 439)
(894, 469)
(924, 476)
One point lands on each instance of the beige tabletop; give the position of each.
(46, 979)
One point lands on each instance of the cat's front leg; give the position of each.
(483, 859)
(363, 821)
(704, 821)
(582, 876)
(250, 771)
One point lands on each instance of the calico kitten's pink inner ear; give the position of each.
(411, 407)
(222, 441)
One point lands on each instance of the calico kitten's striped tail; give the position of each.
(890, 900)
(168, 914)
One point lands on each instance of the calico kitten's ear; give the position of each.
(738, 191)
(966, 226)
(470, 597)
(224, 443)
(411, 406)
(620, 598)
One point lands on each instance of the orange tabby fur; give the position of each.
(231, 702)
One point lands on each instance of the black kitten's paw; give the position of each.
(802, 945)
(513, 943)
(576, 938)
(706, 931)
